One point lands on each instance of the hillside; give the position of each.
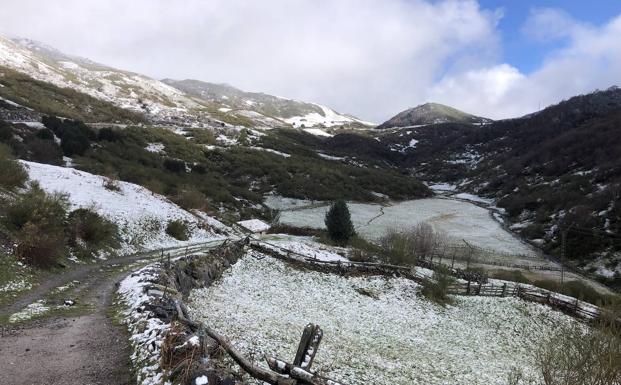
(431, 113)
(187, 103)
(553, 170)
(282, 111)
(23, 98)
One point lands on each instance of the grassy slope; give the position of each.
(50, 99)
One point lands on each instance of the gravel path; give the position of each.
(87, 349)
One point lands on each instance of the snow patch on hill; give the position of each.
(329, 118)
(141, 215)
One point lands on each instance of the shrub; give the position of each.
(44, 151)
(577, 355)
(37, 221)
(405, 247)
(111, 183)
(398, 248)
(45, 134)
(109, 134)
(436, 288)
(93, 229)
(174, 165)
(74, 143)
(39, 247)
(190, 198)
(12, 173)
(178, 229)
(46, 211)
(338, 222)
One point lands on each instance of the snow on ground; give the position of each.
(304, 246)
(155, 147)
(284, 155)
(442, 187)
(318, 132)
(391, 337)
(329, 118)
(146, 333)
(141, 215)
(473, 198)
(254, 225)
(30, 311)
(458, 219)
(330, 157)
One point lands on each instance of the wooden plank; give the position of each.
(307, 334)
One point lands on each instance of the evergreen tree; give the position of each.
(338, 222)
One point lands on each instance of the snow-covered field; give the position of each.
(141, 215)
(457, 218)
(391, 337)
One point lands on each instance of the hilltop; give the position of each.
(431, 113)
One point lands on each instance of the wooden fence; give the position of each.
(568, 305)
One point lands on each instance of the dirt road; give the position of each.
(87, 349)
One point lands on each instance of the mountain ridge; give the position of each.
(431, 113)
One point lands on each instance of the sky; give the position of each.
(370, 58)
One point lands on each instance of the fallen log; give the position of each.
(254, 370)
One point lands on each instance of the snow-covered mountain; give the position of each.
(293, 112)
(124, 89)
(189, 102)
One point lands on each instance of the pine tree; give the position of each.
(338, 222)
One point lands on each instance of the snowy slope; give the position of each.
(124, 89)
(327, 118)
(392, 336)
(280, 110)
(140, 214)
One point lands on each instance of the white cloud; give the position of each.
(372, 58)
(590, 60)
(368, 57)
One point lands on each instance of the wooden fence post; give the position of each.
(504, 289)
(468, 288)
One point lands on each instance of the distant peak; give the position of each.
(431, 113)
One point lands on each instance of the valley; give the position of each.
(175, 232)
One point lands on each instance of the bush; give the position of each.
(45, 134)
(190, 198)
(174, 165)
(44, 151)
(12, 173)
(39, 247)
(37, 221)
(93, 229)
(46, 211)
(406, 247)
(178, 229)
(109, 134)
(338, 222)
(577, 355)
(436, 288)
(398, 248)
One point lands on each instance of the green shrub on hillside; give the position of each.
(12, 173)
(190, 198)
(37, 221)
(178, 229)
(91, 228)
(436, 288)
